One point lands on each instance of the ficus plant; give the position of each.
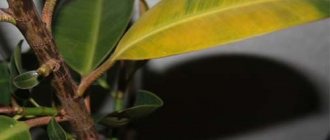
(81, 44)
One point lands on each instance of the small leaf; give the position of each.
(55, 131)
(102, 81)
(15, 66)
(27, 80)
(4, 84)
(86, 31)
(18, 56)
(115, 121)
(179, 26)
(13, 73)
(11, 129)
(145, 103)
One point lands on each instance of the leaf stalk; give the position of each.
(47, 13)
(5, 17)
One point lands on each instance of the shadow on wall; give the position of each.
(222, 96)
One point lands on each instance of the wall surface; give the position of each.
(303, 49)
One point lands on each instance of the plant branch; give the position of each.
(87, 81)
(44, 121)
(26, 111)
(88, 103)
(44, 47)
(47, 13)
(4, 16)
(8, 110)
(143, 7)
(33, 102)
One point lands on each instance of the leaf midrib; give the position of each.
(95, 35)
(187, 19)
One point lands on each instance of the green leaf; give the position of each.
(11, 129)
(114, 121)
(145, 103)
(102, 81)
(4, 84)
(55, 131)
(18, 56)
(86, 31)
(15, 66)
(27, 80)
(179, 26)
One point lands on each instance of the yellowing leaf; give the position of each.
(180, 26)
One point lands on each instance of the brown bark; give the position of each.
(41, 41)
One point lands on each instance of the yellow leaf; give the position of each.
(179, 26)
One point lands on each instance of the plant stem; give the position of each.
(143, 7)
(32, 101)
(6, 17)
(26, 111)
(7, 110)
(38, 111)
(43, 45)
(88, 103)
(44, 120)
(94, 75)
(118, 101)
(47, 13)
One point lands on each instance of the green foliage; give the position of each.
(11, 129)
(86, 31)
(4, 84)
(7, 74)
(27, 80)
(15, 66)
(17, 57)
(39, 111)
(55, 131)
(145, 103)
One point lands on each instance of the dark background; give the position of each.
(216, 97)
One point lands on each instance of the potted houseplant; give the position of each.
(88, 38)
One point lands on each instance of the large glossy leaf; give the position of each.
(55, 131)
(145, 103)
(86, 31)
(11, 129)
(4, 84)
(179, 26)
